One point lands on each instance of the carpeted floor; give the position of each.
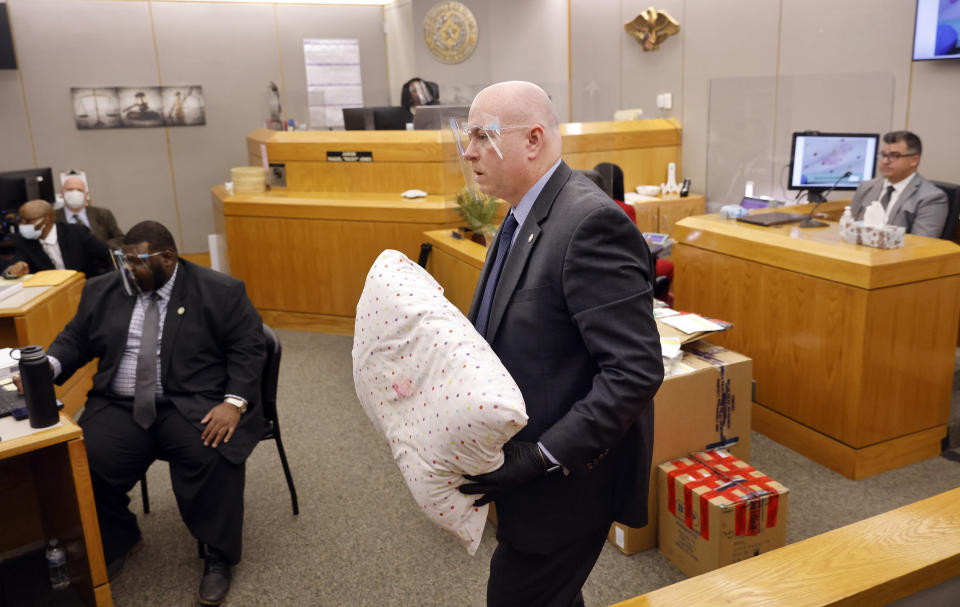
(359, 539)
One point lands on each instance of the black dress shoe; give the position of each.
(216, 580)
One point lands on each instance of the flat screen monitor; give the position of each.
(936, 33)
(818, 161)
(390, 118)
(355, 118)
(437, 116)
(17, 187)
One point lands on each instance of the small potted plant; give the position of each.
(479, 211)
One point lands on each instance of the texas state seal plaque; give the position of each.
(450, 31)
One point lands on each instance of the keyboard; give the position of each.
(10, 400)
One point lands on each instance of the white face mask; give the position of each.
(30, 231)
(74, 199)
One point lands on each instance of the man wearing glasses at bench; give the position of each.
(910, 200)
(181, 350)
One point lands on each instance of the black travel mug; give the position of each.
(37, 378)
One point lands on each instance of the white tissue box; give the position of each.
(886, 237)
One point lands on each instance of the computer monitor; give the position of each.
(17, 187)
(389, 118)
(355, 118)
(437, 116)
(819, 161)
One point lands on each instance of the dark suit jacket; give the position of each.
(572, 321)
(81, 251)
(102, 224)
(212, 345)
(922, 207)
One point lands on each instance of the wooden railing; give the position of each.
(872, 562)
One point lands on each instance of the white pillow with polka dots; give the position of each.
(434, 388)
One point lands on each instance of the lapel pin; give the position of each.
(530, 238)
(181, 310)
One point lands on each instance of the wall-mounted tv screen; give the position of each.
(936, 34)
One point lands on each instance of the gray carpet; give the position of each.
(360, 540)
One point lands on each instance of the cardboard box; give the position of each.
(705, 407)
(716, 510)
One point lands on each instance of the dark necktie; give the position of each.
(79, 222)
(885, 199)
(145, 390)
(503, 247)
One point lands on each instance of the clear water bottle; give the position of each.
(57, 566)
(846, 220)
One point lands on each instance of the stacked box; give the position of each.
(716, 509)
(706, 407)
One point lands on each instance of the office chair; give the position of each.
(952, 191)
(271, 425)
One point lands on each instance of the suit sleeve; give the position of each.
(113, 232)
(931, 214)
(72, 346)
(242, 333)
(857, 205)
(607, 287)
(96, 255)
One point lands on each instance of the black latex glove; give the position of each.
(522, 462)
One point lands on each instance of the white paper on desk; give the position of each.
(633, 197)
(664, 312)
(691, 323)
(8, 364)
(875, 215)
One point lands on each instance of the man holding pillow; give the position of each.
(565, 301)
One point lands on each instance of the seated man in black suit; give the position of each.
(178, 379)
(910, 200)
(78, 210)
(44, 244)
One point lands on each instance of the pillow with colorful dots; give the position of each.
(434, 388)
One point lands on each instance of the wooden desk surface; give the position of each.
(11, 447)
(36, 297)
(820, 252)
(337, 205)
(872, 562)
(437, 145)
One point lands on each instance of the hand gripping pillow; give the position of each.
(434, 388)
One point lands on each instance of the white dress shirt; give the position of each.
(79, 217)
(52, 249)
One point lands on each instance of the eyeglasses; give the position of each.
(483, 135)
(133, 258)
(894, 155)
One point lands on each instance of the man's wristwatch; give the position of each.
(239, 403)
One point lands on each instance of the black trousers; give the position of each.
(518, 579)
(208, 488)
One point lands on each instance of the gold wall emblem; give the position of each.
(651, 27)
(450, 31)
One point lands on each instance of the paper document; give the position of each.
(8, 288)
(664, 312)
(48, 278)
(690, 323)
(669, 346)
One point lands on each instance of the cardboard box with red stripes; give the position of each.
(716, 509)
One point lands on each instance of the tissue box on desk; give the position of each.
(886, 237)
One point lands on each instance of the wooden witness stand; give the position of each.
(853, 346)
(304, 250)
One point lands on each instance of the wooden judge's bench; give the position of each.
(304, 250)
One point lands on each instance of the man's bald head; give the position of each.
(529, 138)
(35, 209)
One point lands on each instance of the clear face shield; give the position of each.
(122, 262)
(485, 134)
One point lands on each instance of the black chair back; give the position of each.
(952, 191)
(612, 176)
(269, 380)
